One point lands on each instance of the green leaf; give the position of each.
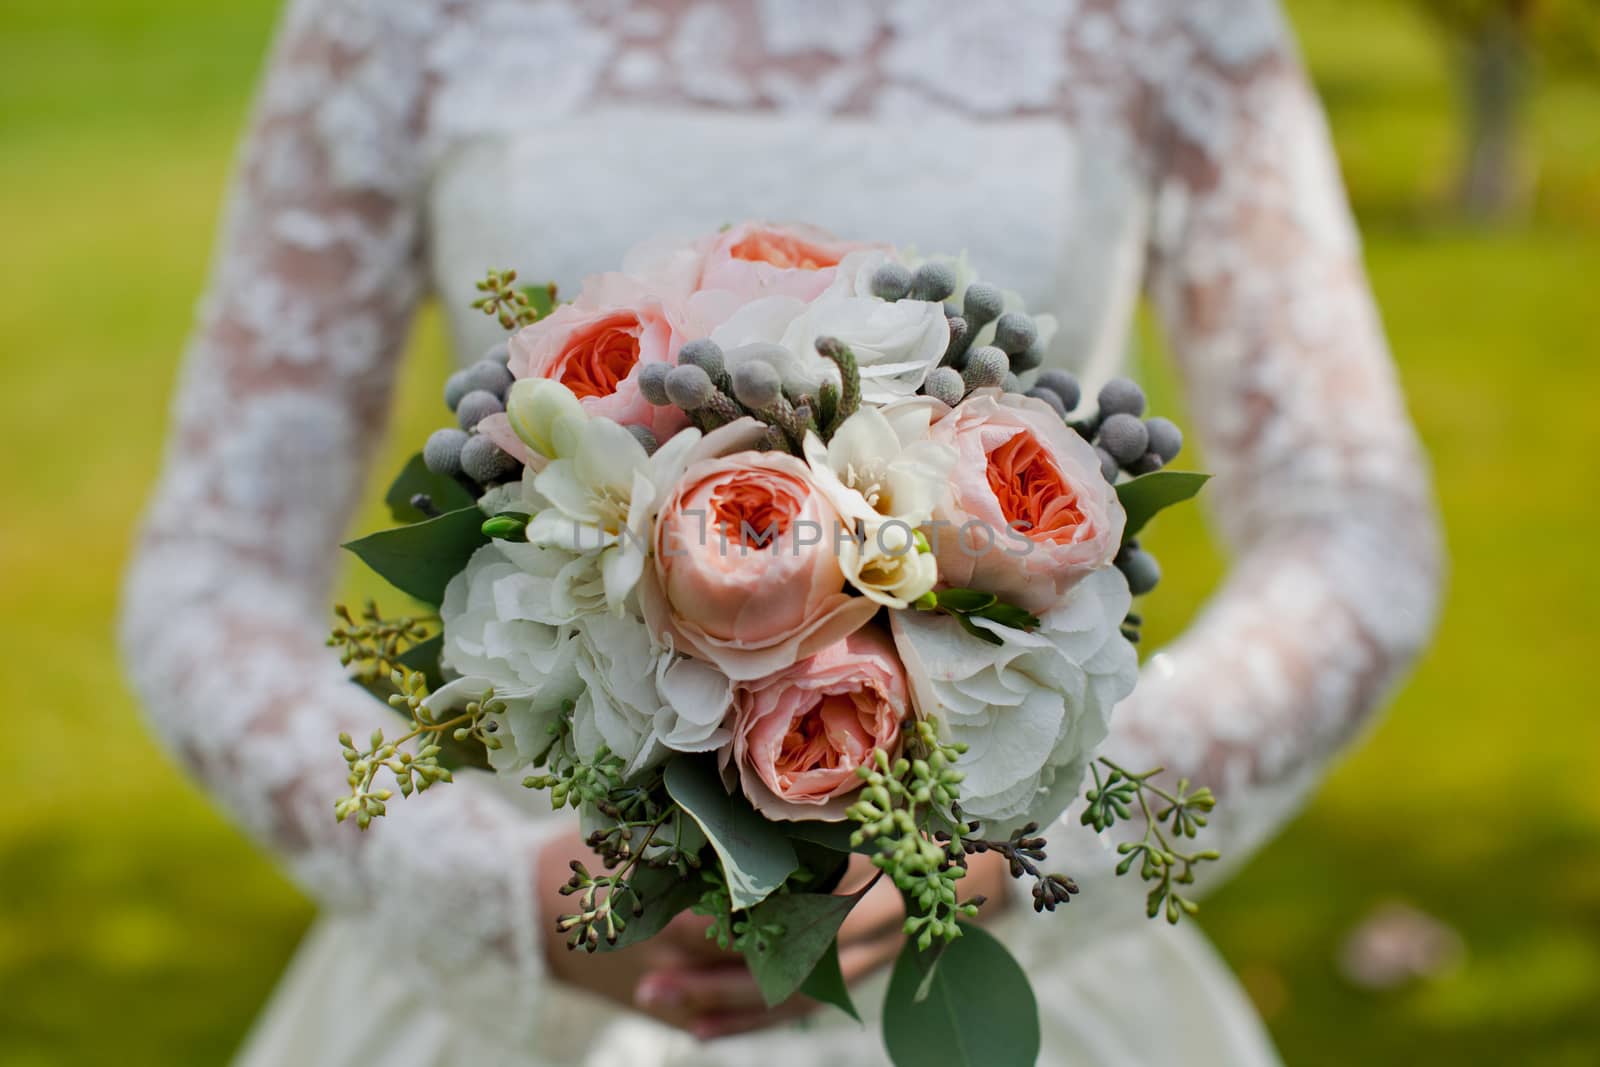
(1010, 615)
(756, 856)
(825, 983)
(665, 895)
(542, 298)
(424, 656)
(1144, 496)
(420, 559)
(810, 922)
(415, 477)
(964, 601)
(978, 631)
(978, 1011)
(830, 835)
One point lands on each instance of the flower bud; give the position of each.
(1166, 440)
(1125, 437)
(545, 415)
(985, 367)
(442, 453)
(1015, 332)
(982, 304)
(689, 387)
(1121, 395)
(477, 406)
(756, 384)
(653, 383)
(705, 354)
(933, 282)
(891, 282)
(946, 384)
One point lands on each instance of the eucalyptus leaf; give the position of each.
(542, 298)
(810, 922)
(978, 1011)
(1144, 496)
(979, 632)
(756, 856)
(424, 656)
(825, 983)
(447, 494)
(420, 559)
(830, 835)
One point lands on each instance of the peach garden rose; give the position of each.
(800, 733)
(597, 353)
(746, 573)
(1029, 513)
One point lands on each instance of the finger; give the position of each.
(860, 958)
(727, 1024)
(707, 988)
(686, 933)
(880, 912)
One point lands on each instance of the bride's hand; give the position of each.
(709, 992)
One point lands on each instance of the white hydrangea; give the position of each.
(1031, 710)
(637, 699)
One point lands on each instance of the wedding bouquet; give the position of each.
(768, 549)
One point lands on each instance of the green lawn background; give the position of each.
(137, 927)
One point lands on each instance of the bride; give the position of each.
(1088, 152)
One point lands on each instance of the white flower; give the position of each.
(497, 635)
(895, 344)
(494, 629)
(889, 563)
(880, 465)
(602, 499)
(1031, 710)
(639, 699)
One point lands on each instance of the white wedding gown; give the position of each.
(1084, 152)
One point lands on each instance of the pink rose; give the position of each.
(1029, 513)
(744, 572)
(800, 733)
(597, 352)
(755, 259)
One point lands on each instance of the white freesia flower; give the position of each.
(895, 344)
(880, 465)
(889, 563)
(602, 498)
(1033, 709)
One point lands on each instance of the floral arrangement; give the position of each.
(767, 549)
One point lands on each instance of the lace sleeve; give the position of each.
(283, 395)
(1321, 494)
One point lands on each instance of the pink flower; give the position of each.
(1029, 513)
(745, 573)
(755, 259)
(800, 733)
(597, 352)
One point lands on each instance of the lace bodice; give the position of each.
(1082, 150)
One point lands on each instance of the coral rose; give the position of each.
(800, 733)
(597, 352)
(755, 259)
(1029, 513)
(745, 571)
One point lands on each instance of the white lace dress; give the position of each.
(1083, 151)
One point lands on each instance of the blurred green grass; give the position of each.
(137, 927)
